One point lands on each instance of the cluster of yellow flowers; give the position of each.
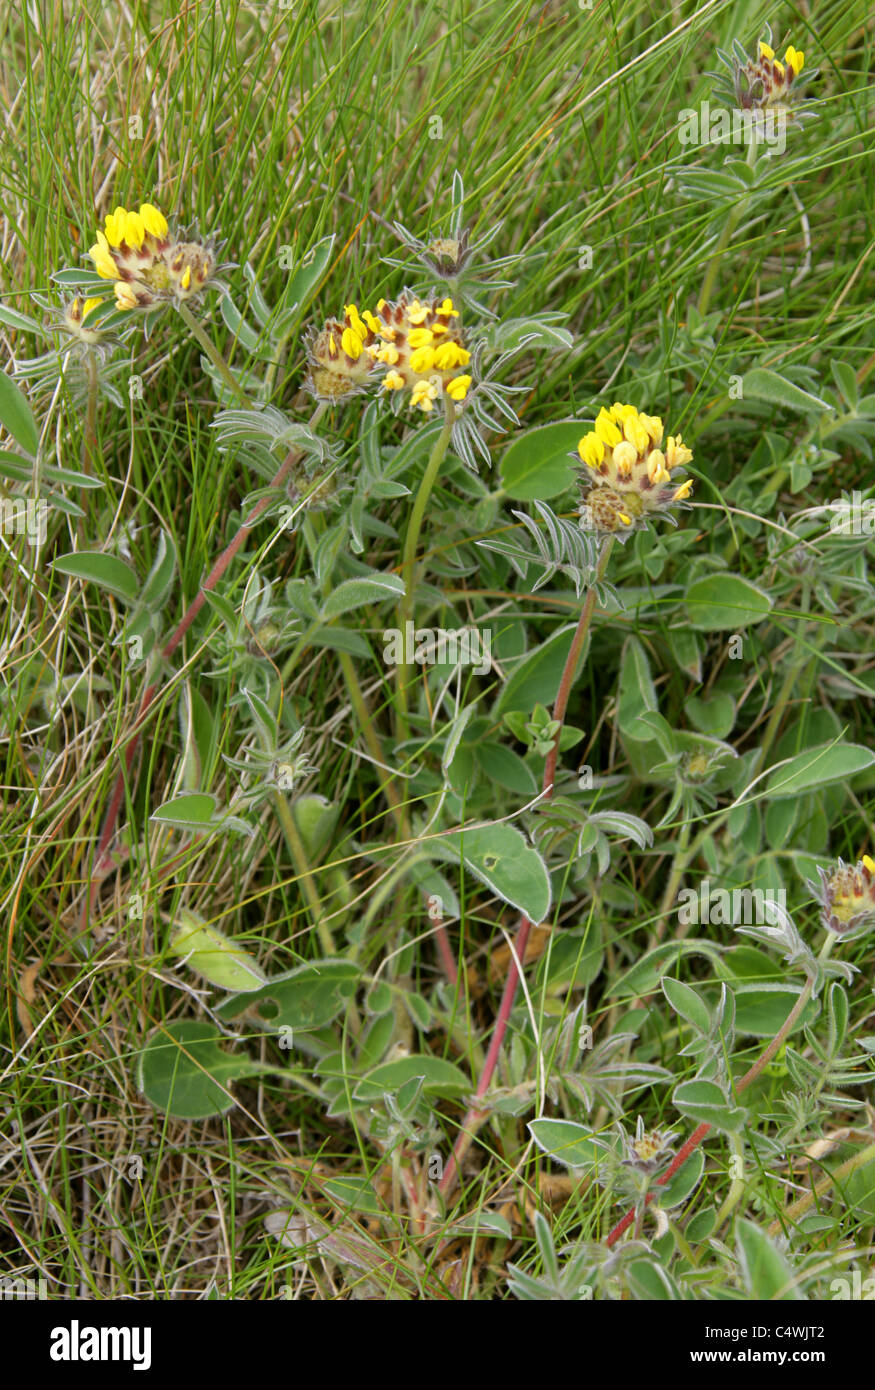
(148, 264)
(628, 473)
(420, 344)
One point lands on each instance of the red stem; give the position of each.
(749, 1077)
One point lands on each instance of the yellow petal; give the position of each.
(422, 360)
(591, 450)
(351, 343)
(869, 863)
(653, 426)
(125, 297)
(420, 337)
(103, 261)
(135, 230)
(656, 465)
(154, 221)
(635, 432)
(794, 59)
(606, 429)
(450, 355)
(765, 51)
(624, 457)
(115, 226)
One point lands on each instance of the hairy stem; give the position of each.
(202, 337)
(411, 543)
(299, 859)
(89, 437)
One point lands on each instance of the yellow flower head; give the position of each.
(342, 356)
(421, 341)
(150, 265)
(626, 475)
(765, 81)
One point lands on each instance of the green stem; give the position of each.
(411, 542)
(89, 438)
(729, 226)
(793, 672)
(218, 361)
(308, 883)
(375, 747)
(678, 869)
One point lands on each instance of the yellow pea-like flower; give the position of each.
(794, 59)
(457, 389)
(591, 450)
(125, 297)
(606, 429)
(450, 355)
(420, 337)
(103, 261)
(154, 221)
(422, 360)
(351, 343)
(423, 395)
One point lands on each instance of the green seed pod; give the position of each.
(210, 954)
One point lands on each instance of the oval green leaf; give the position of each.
(817, 767)
(537, 464)
(725, 603)
(108, 571)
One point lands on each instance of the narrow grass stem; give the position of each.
(733, 218)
